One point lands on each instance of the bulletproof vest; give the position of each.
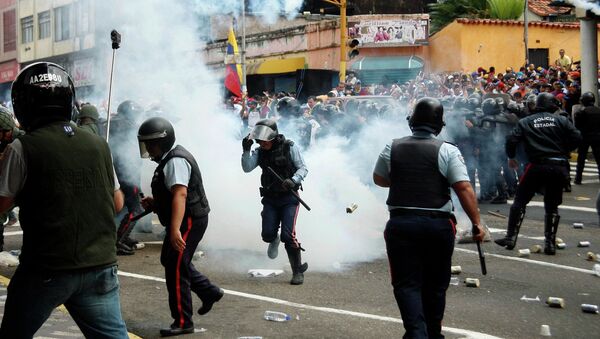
(415, 177)
(67, 202)
(196, 204)
(279, 159)
(589, 123)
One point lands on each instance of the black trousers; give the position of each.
(582, 152)
(548, 178)
(420, 251)
(181, 275)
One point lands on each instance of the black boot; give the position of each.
(550, 228)
(515, 219)
(298, 268)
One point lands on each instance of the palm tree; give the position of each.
(446, 11)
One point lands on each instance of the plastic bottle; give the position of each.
(276, 316)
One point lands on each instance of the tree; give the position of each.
(446, 11)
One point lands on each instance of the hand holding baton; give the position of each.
(291, 191)
(475, 231)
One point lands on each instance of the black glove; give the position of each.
(288, 184)
(247, 143)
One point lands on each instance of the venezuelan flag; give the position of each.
(233, 71)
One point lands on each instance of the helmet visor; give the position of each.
(144, 150)
(262, 132)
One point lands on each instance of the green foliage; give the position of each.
(506, 9)
(446, 11)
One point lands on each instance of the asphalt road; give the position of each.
(356, 301)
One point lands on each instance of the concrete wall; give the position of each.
(466, 46)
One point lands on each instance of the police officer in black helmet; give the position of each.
(182, 207)
(62, 179)
(419, 236)
(280, 206)
(587, 121)
(548, 140)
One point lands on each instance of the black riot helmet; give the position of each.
(588, 99)
(130, 110)
(288, 107)
(264, 130)
(428, 115)
(490, 106)
(155, 131)
(501, 102)
(43, 92)
(460, 103)
(546, 102)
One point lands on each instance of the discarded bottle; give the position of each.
(454, 281)
(276, 316)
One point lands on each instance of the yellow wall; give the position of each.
(465, 47)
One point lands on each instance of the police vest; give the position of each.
(67, 201)
(196, 204)
(415, 177)
(279, 159)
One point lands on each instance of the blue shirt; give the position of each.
(250, 161)
(177, 171)
(451, 165)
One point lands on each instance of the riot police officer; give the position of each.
(62, 179)
(292, 121)
(587, 121)
(280, 206)
(547, 139)
(419, 236)
(182, 207)
(88, 118)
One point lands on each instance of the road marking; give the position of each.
(458, 331)
(563, 207)
(529, 261)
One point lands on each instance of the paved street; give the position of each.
(356, 301)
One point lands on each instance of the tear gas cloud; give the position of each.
(592, 6)
(159, 62)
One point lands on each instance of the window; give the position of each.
(44, 24)
(10, 30)
(81, 11)
(62, 24)
(27, 29)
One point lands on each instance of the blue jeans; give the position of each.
(281, 210)
(91, 297)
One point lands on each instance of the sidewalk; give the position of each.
(59, 325)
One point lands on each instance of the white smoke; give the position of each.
(159, 61)
(588, 5)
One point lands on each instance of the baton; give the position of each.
(481, 255)
(291, 191)
(140, 216)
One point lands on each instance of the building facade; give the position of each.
(9, 67)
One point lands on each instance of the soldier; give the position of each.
(587, 121)
(547, 139)
(88, 118)
(419, 236)
(62, 179)
(280, 206)
(182, 207)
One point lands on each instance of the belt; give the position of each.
(552, 161)
(396, 212)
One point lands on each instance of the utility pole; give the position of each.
(244, 87)
(526, 33)
(343, 36)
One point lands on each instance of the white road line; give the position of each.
(561, 207)
(458, 331)
(529, 261)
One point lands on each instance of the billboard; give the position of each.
(388, 31)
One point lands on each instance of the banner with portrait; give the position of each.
(402, 31)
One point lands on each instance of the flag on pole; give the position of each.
(233, 71)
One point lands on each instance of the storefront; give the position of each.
(8, 73)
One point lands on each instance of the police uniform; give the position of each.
(280, 206)
(178, 167)
(547, 139)
(587, 121)
(420, 232)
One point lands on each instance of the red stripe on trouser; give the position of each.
(294, 227)
(525, 172)
(178, 275)
(453, 226)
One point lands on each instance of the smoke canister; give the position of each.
(558, 241)
(590, 256)
(561, 245)
(525, 252)
(472, 282)
(536, 249)
(578, 225)
(555, 302)
(351, 208)
(583, 244)
(588, 308)
(455, 269)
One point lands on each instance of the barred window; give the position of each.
(44, 24)
(62, 23)
(27, 29)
